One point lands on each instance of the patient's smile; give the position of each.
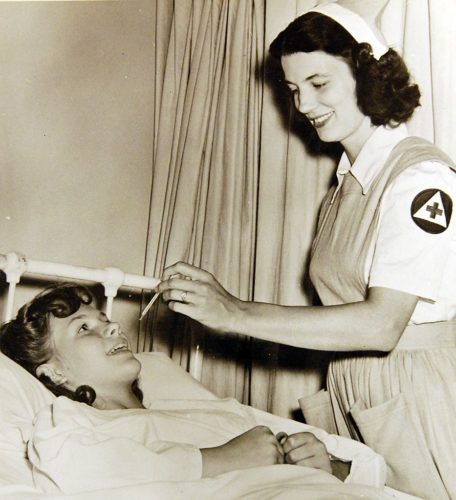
(122, 347)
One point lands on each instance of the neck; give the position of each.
(120, 400)
(355, 142)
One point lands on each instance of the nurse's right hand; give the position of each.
(196, 293)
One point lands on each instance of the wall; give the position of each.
(76, 126)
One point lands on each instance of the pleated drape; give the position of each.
(294, 177)
(208, 95)
(237, 181)
(423, 30)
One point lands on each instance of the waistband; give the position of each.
(428, 335)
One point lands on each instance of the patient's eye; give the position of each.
(83, 328)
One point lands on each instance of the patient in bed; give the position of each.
(77, 352)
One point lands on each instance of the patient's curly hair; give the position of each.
(384, 90)
(27, 338)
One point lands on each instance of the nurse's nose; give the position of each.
(305, 101)
(111, 329)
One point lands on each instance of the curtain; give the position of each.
(205, 171)
(237, 180)
(424, 32)
(296, 170)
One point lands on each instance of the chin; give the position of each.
(327, 135)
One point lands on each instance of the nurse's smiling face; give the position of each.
(91, 350)
(324, 90)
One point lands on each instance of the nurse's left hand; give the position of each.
(196, 293)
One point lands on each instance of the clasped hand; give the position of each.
(260, 447)
(305, 449)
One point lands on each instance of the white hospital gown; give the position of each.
(74, 447)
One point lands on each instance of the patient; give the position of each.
(76, 351)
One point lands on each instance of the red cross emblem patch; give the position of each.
(431, 210)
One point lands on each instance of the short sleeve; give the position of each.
(416, 231)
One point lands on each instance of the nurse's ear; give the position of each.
(52, 372)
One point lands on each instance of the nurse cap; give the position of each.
(357, 26)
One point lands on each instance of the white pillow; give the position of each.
(21, 396)
(162, 378)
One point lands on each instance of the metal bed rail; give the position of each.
(15, 265)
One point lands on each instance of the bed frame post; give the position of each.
(114, 279)
(13, 268)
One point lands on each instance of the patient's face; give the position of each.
(90, 349)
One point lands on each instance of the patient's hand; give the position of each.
(254, 448)
(305, 449)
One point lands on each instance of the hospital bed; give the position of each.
(22, 397)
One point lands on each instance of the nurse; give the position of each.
(383, 260)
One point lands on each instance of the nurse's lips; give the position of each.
(320, 121)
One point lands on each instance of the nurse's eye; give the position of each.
(318, 85)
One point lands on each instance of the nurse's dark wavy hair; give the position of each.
(27, 338)
(383, 87)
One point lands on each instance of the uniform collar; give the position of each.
(372, 156)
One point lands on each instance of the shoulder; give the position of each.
(426, 191)
(425, 173)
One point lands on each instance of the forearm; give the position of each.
(370, 325)
(311, 327)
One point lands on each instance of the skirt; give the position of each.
(401, 404)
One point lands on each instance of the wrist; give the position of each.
(239, 317)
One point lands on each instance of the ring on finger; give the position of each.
(183, 296)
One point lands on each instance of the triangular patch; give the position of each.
(431, 210)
